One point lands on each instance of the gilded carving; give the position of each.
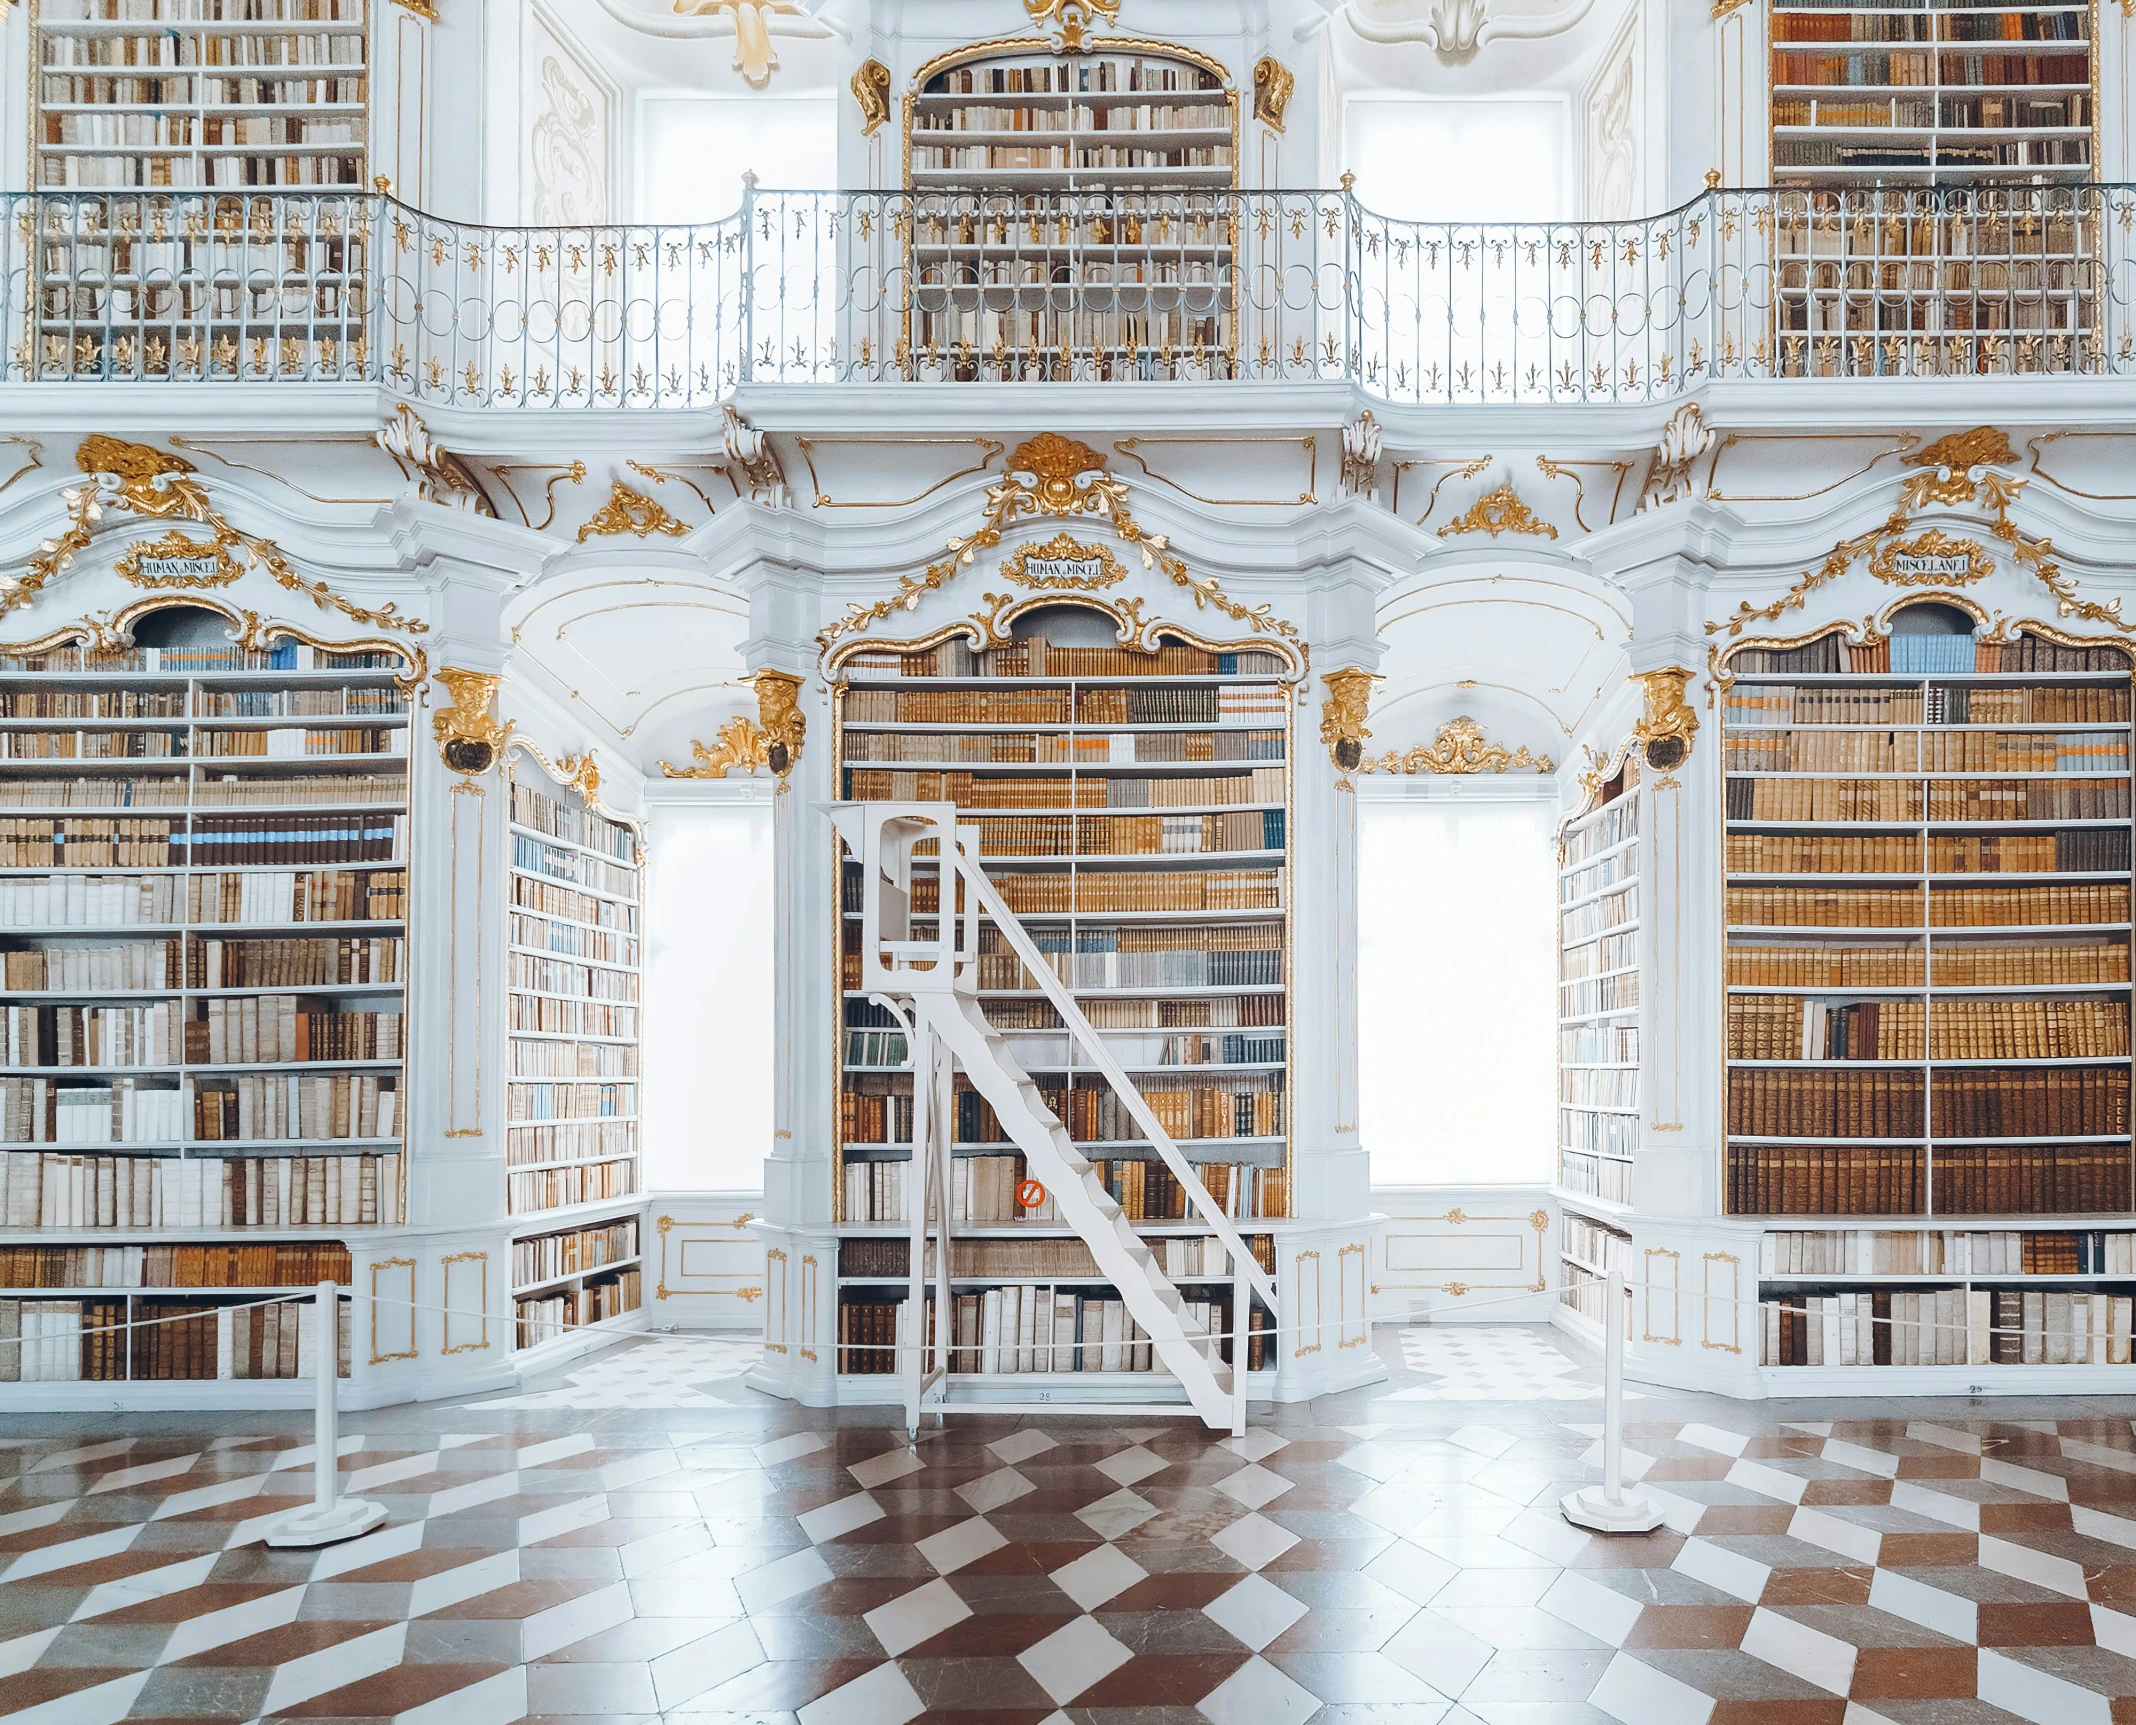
(628, 511)
(441, 476)
(470, 737)
(871, 89)
(779, 712)
(1932, 559)
(1666, 731)
(737, 743)
(1065, 21)
(1460, 748)
(1063, 563)
(1273, 83)
(1983, 446)
(149, 481)
(189, 563)
(1496, 512)
(1342, 715)
(1361, 445)
(751, 452)
(1683, 440)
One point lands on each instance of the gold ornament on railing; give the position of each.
(1460, 748)
(469, 735)
(1666, 731)
(779, 710)
(739, 744)
(1342, 715)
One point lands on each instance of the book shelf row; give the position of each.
(556, 1314)
(1113, 750)
(1969, 801)
(540, 1259)
(300, 1264)
(70, 1341)
(79, 1191)
(1794, 1027)
(1966, 1326)
(1027, 1331)
(1811, 1178)
(1961, 1252)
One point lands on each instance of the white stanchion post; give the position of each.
(1609, 1508)
(331, 1517)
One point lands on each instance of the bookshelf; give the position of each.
(1079, 219)
(1135, 812)
(573, 990)
(201, 95)
(1932, 93)
(1926, 966)
(203, 915)
(1599, 1000)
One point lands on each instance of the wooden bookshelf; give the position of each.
(1067, 230)
(203, 900)
(1926, 92)
(1599, 997)
(1135, 813)
(1926, 969)
(573, 990)
(205, 95)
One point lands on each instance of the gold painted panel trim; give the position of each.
(809, 445)
(1673, 1289)
(481, 1343)
(1299, 1284)
(379, 1356)
(1729, 1300)
(809, 1283)
(1131, 447)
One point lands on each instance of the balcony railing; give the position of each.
(976, 286)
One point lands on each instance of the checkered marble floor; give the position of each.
(1370, 1557)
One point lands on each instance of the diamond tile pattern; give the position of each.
(697, 1552)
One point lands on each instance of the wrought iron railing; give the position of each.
(976, 286)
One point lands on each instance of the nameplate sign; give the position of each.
(1933, 566)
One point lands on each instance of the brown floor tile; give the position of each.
(1914, 1673)
(1817, 1587)
(391, 1692)
(1690, 1626)
(2014, 1520)
(1741, 1520)
(1928, 1550)
(1161, 1680)
(2044, 1625)
(1771, 1712)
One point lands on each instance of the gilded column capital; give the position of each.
(1666, 731)
(1342, 715)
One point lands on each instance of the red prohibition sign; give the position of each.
(1030, 1195)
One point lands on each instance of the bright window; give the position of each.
(1457, 980)
(693, 150)
(1489, 159)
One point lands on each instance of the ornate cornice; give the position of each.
(1496, 512)
(628, 511)
(739, 744)
(1459, 748)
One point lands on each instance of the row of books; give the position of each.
(552, 900)
(2047, 904)
(1909, 68)
(568, 1309)
(1612, 826)
(574, 868)
(260, 1029)
(530, 1190)
(69, 1036)
(983, 1190)
(1599, 916)
(1005, 791)
(290, 963)
(1182, 1258)
(342, 1105)
(2028, 655)
(2075, 850)
(1091, 159)
(1790, 1027)
(1894, 1179)
(1578, 883)
(1097, 748)
(295, 1264)
(533, 1100)
(1256, 968)
(1095, 73)
(284, 655)
(1150, 117)
(1900, 800)
(1058, 892)
(69, 1341)
(1199, 704)
(1607, 1088)
(1236, 1048)
(186, 88)
(1598, 1044)
(569, 940)
(581, 1141)
(1596, 1246)
(566, 819)
(2028, 1029)
(1035, 656)
(213, 841)
(43, 1189)
(1947, 1327)
(578, 981)
(551, 1016)
(1586, 1175)
(1022, 1330)
(297, 742)
(1968, 1102)
(297, 896)
(1597, 956)
(2046, 964)
(1602, 994)
(1921, 23)
(1129, 835)
(1813, 751)
(547, 1059)
(96, 746)
(1599, 1133)
(573, 1252)
(106, 172)
(129, 965)
(1948, 1251)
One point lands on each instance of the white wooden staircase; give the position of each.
(930, 986)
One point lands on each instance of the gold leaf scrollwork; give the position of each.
(871, 89)
(175, 547)
(150, 481)
(1342, 715)
(1460, 748)
(1066, 20)
(469, 735)
(779, 712)
(1076, 567)
(1933, 559)
(628, 511)
(1666, 730)
(1496, 512)
(1273, 83)
(737, 743)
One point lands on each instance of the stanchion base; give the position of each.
(1634, 1512)
(308, 1527)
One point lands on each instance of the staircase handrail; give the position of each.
(1110, 1070)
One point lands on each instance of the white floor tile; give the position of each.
(1935, 1505)
(1860, 1458)
(832, 1520)
(1258, 1694)
(786, 1448)
(2113, 1630)
(1944, 1437)
(1768, 1481)
(914, 1617)
(496, 1700)
(1072, 1658)
(333, 1667)
(1102, 1573)
(1484, 1440)
(1257, 1445)
(546, 1631)
(2032, 1694)
(882, 1469)
(1120, 1513)
(564, 1518)
(1131, 1466)
(68, 1553)
(1640, 1695)
(1254, 1486)
(373, 1548)
(777, 1582)
(2026, 1479)
(552, 1449)
(992, 1490)
(686, 1672)
(1255, 1612)
(1930, 1607)
(232, 1623)
(1726, 1443)
(879, 1697)
(1801, 1651)
(954, 1547)
(1601, 1611)
(1814, 1527)
(1716, 1566)
(1255, 1541)
(2041, 1568)
(24, 1651)
(1021, 1446)
(467, 1581)
(128, 1477)
(105, 1704)
(149, 1584)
